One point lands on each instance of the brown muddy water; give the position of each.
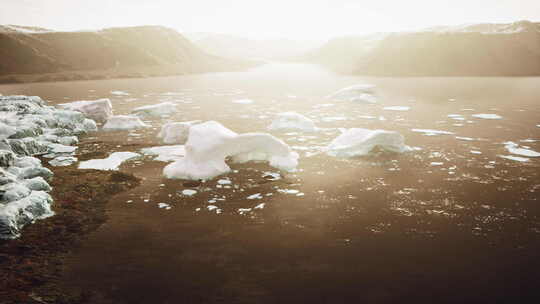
(452, 222)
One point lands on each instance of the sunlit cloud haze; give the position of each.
(301, 19)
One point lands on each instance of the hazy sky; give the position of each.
(297, 19)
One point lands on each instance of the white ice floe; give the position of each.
(210, 143)
(397, 108)
(164, 206)
(292, 121)
(436, 164)
(359, 142)
(62, 161)
(465, 138)
(160, 109)
(255, 196)
(476, 152)
(165, 153)
(243, 101)
(357, 93)
(515, 158)
(124, 122)
(224, 181)
(110, 163)
(456, 116)
(259, 206)
(175, 132)
(119, 93)
(59, 149)
(430, 132)
(98, 110)
(487, 116)
(189, 192)
(514, 148)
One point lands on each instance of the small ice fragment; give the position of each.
(515, 149)
(487, 116)
(475, 152)
(244, 210)
(516, 158)
(289, 191)
(164, 206)
(464, 138)
(189, 192)
(397, 108)
(436, 164)
(224, 182)
(159, 109)
(255, 196)
(430, 132)
(259, 206)
(119, 93)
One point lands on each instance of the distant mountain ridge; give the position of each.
(31, 50)
(231, 46)
(511, 49)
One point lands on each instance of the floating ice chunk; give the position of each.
(37, 184)
(515, 158)
(210, 143)
(110, 163)
(456, 116)
(255, 196)
(476, 152)
(514, 148)
(357, 93)
(224, 182)
(292, 121)
(164, 206)
(159, 109)
(189, 192)
(243, 101)
(124, 122)
(436, 163)
(16, 214)
(176, 132)
(244, 210)
(259, 206)
(397, 108)
(359, 142)
(465, 138)
(487, 116)
(99, 110)
(119, 93)
(62, 161)
(430, 132)
(289, 191)
(165, 153)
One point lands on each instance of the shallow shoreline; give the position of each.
(31, 266)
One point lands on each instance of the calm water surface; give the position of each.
(451, 222)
